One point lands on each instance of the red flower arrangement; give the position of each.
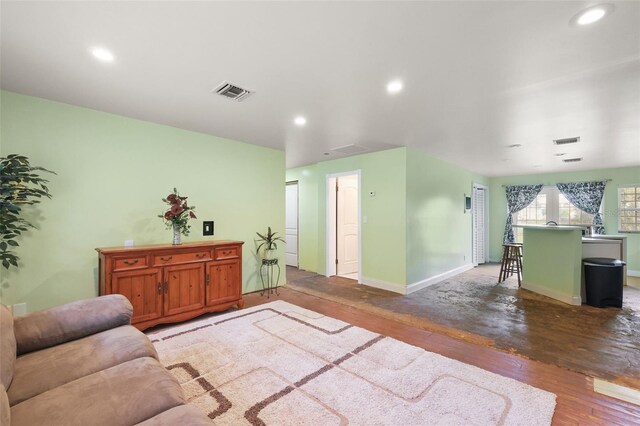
(179, 212)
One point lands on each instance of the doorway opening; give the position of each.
(344, 247)
(291, 224)
(480, 227)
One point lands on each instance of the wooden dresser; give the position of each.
(167, 283)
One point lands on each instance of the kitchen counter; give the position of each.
(552, 259)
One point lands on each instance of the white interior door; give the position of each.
(478, 210)
(347, 225)
(291, 224)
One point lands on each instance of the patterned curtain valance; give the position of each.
(587, 196)
(518, 197)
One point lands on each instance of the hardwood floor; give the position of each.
(471, 306)
(577, 404)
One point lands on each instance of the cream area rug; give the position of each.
(279, 364)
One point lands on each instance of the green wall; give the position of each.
(112, 172)
(383, 236)
(416, 226)
(620, 176)
(438, 228)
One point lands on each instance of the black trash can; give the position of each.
(603, 281)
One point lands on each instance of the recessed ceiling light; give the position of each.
(394, 86)
(515, 145)
(102, 54)
(300, 120)
(592, 14)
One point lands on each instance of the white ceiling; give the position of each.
(478, 75)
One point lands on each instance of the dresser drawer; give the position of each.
(130, 262)
(220, 253)
(174, 258)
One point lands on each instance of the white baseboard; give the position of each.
(384, 285)
(419, 285)
(616, 391)
(571, 300)
(633, 273)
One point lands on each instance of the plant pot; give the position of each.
(176, 235)
(269, 254)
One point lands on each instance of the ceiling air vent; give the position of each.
(566, 140)
(350, 149)
(572, 160)
(232, 91)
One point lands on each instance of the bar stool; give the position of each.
(511, 262)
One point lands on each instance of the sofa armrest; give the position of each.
(54, 326)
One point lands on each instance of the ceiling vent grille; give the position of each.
(566, 140)
(572, 160)
(350, 149)
(231, 91)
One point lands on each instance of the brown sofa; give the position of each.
(84, 364)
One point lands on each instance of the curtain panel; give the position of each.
(518, 197)
(587, 196)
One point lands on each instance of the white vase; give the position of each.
(176, 235)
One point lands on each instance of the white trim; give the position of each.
(571, 300)
(616, 391)
(632, 273)
(331, 267)
(419, 285)
(385, 285)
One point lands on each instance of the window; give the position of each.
(629, 208)
(551, 205)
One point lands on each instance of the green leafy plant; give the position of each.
(20, 184)
(268, 240)
(178, 213)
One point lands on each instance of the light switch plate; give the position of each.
(207, 227)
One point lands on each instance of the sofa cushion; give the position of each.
(5, 418)
(122, 395)
(7, 347)
(61, 324)
(39, 371)
(180, 415)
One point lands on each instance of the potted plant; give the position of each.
(177, 215)
(268, 241)
(20, 185)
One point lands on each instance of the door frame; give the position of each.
(331, 218)
(485, 188)
(297, 183)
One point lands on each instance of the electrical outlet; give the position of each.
(19, 309)
(207, 227)
(128, 243)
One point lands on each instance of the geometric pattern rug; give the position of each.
(280, 364)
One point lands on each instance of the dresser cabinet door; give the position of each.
(144, 289)
(184, 288)
(223, 281)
